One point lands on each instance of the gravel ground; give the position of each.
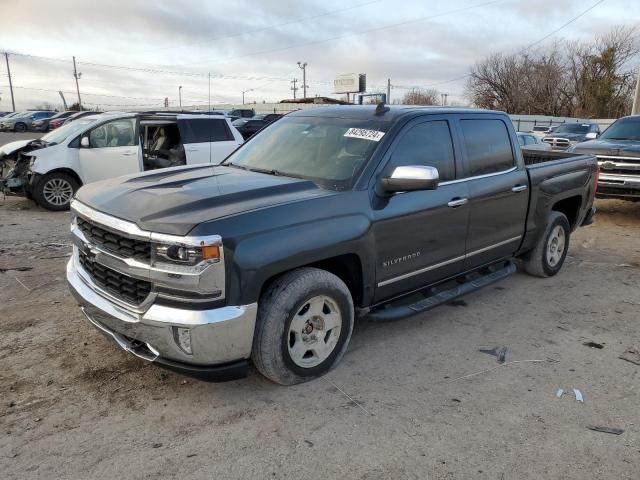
(73, 406)
(6, 137)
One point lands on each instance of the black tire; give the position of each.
(42, 191)
(285, 299)
(538, 262)
(19, 127)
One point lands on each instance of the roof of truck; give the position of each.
(393, 112)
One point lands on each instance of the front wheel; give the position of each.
(20, 127)
(54, 191)
(305, 320)
(546, 259)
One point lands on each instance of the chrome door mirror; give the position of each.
(591, 136)
(409, 178)
(84, 142)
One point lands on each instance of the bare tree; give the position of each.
(421, 97)
(589, 79)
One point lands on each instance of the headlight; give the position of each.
(187, 255)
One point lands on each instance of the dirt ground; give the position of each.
(73, 406)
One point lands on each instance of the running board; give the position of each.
(433, 297)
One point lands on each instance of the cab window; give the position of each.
(488, 146)
(117, 133)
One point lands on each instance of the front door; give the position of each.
(113, 151)
(498, 190)
(420, 236)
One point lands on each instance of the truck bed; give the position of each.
(532, 157)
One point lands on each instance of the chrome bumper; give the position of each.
(218, 336)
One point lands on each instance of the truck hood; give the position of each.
(175, 200)
(621, 148)
(12, 147)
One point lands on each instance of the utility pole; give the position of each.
(209, 91)
(180, 96)
(245, 91)
(389, 91)
(13, 103)
(303, 66)
(294, 88)
(77, 75)
(635, 110)
(443, 98)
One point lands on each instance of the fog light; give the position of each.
(183, 339)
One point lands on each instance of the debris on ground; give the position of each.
(594, 345)
(578, 395)
(499, 352)
(611, 430)
(15, 269)
(559, 393)
(631, 355)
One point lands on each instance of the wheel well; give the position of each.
(570, 208)
(347, 268)
(68, 171)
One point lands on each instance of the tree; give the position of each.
(421, 97)
(589, 79)
(75, 107)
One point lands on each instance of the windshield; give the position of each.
(60, 134)
(623, 129)
(329, 151)
(572, 128)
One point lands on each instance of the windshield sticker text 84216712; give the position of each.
(365, 134)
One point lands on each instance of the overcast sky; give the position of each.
(255, 44)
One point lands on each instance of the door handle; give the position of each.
(128, 154)
(519, 188)
(191, 149)
(457, 202)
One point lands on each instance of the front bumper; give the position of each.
(618, 186)
(221, 338)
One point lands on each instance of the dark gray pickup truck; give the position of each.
(324, 216)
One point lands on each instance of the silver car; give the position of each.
(529, 141)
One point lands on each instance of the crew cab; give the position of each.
(618, 153)
(322, 217)
(97, 147)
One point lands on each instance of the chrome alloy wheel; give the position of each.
(57, 191)
(314, 331)
(555, 246)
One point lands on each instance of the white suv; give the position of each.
(103, 146)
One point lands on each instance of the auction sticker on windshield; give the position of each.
(365, 134)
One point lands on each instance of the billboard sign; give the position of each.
(350, 83)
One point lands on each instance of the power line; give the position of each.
(462, 77)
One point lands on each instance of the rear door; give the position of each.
(113, 150)
(420, 236)
(206, 139)
(498, 189)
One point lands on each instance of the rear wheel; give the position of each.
(548, 256)
(304, 325)
(54, 191)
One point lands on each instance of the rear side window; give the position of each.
(204, 130)
(427, 144)
(488, 146)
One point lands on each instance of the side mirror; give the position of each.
(84, 142)
(410, 178)
(591, 136)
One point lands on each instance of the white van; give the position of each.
(103, 146)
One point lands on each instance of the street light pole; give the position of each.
(635, 110)
(303, 67)
(245, 91)
(180, 96)
(13, 103)
(77, 75)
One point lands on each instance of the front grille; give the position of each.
(114, 242)
(123, 287)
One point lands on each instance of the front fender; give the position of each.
(257, 259)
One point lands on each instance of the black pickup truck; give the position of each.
(325, 216)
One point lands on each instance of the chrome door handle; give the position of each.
(457, 202)
(519, 188)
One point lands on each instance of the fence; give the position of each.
(525, 123)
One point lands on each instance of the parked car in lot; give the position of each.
(3, 114)
(325, 215)
(531, 142)
(44, 124)
(242, 112)
(618, 153)
(58, 123)
(569, 134)
(103, 146)
(250, 126)
(22, 123)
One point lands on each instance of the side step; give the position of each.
(432, 297)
